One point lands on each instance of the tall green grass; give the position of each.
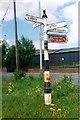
(25, 99)
(0, 97)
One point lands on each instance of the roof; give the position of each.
(75, 49)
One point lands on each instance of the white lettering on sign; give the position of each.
(57, 38)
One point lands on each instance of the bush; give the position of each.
(19, 75)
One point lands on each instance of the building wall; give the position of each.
(64, 58)
(59, 58)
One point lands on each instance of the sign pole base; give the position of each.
(47, 98)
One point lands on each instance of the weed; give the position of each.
(19, 75)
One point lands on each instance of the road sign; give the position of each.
(55, 26)
(36, 25)
(61, 24)
(57, 38)
(34, 19)
(62, 29)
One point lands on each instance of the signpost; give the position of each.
(57, 38)
(61, 24)
(36, 25)
(62, 29)
(58, 27)
(34, 19)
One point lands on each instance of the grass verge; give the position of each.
(25, 99)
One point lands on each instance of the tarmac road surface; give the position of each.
(58, 76)
(54, 76)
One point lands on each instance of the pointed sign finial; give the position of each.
(44, 14)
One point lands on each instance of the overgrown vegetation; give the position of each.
(25, 99)
(19, 75)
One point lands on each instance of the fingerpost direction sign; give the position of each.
(57, 38)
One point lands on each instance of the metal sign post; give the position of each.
(47, 84)
(58, 27)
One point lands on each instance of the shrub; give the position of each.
(19, 75)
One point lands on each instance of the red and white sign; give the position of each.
(57, 38)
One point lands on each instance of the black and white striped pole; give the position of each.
(47, 83)
(59, 27)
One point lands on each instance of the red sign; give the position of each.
(57, 38)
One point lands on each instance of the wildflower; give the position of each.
(59, 110)
(37, 86)
(52, 105)
(41, 94)
(22, 78)
(9, 90)
(52, 109)
(10, 83)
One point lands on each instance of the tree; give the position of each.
(5, 47)
(26, 50)
(11, 59)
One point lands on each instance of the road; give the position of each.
(58, 76)
(54, 76)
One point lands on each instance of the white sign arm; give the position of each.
(34, 19)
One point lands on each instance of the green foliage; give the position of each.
(26, 50)
(11, 59)
(65, 95)
(0, 56)
(25, 99)
(64, 87)
(5, 47)
(19, 75)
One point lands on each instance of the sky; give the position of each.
(56, 10)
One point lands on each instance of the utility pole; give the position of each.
(40, 29)
(16, 38)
